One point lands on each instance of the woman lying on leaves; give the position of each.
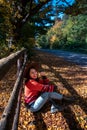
(39, 91)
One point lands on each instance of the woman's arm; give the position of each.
(43, 79)
(35, 86)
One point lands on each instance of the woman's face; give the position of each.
(33, 73)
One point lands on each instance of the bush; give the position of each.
(28, 44)
(4, 50)
(58, 44)
(43, 42)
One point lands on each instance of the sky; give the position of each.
(55, 6)
(59, 3)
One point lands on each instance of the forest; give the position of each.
(37, 23)
(70, 33)
(48, 24)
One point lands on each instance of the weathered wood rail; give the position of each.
(10, 116)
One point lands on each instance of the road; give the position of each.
(79, 59)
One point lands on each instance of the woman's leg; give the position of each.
(55, 107)
(55, 95)
(39, 103)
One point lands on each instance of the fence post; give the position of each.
(16, 118)
(10, 116)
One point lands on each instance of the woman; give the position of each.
(39, 91)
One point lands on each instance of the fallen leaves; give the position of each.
(70, 79)
(6, 87)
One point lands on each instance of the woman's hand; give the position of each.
(42, 74)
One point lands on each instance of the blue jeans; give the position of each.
(42, 99)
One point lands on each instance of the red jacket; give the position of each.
(33, 89)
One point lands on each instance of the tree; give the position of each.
(37, 11)
(79, 7)
(20, 13)
(6, 27)
(68, 34)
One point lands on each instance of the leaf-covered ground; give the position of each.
(6, 87)
(70, 79)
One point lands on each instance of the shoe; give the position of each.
(68, 100)
(56, 109)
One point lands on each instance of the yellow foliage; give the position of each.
(6, 49)
(53, 38)
(1, 1)
(31, 127)
(6, 14)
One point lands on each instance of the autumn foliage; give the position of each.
(70, 80)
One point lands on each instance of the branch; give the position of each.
(24, 2)
(66, 3)
(30, 5)
(34, 11)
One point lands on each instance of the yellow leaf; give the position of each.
(25, 122)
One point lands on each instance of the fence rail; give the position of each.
(7, 62)
(10, 116)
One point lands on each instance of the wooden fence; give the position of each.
(10, 116)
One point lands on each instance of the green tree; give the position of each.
(69, 34)
(17, 13)
(76, 31)
(6, 27)
(79, 7)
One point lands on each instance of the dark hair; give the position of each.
(27, 74)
